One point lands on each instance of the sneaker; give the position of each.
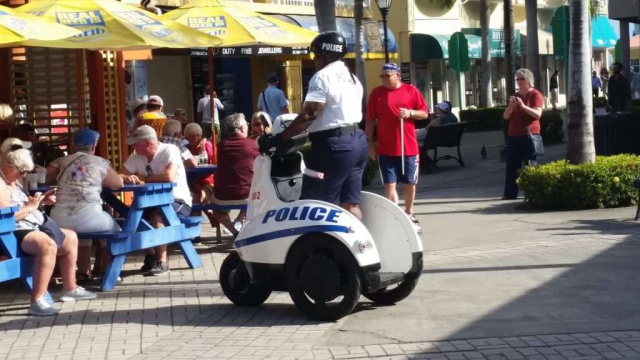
(41, 307)
(160, 268)
(77, 294)
(149, 261)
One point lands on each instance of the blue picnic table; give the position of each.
(137, 234)
(193, 173)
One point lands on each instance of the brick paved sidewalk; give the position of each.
(184, 315)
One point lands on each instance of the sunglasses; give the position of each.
(16, 147)
(386, 76)
(22, 172)
(520, 79)
(149, 170)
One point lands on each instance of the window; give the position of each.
(635, 65)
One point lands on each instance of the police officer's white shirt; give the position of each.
(340, 92)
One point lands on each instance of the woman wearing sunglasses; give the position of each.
(523, 114)
(37, 234)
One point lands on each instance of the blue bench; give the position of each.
(19, 265)
(205, 207)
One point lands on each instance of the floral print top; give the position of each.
(80, 183)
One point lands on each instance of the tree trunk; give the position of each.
(533, 52)
(325, 14)
(625, 49)
(485, 69)
(358, 14)
(580, 147)
(509, 56)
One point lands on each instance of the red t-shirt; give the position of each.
(519, 119)
(384, 106)
(236, 155)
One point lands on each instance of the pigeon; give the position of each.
(483, 152)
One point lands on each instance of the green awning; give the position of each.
(602, 34)
(496, 42)
(429, 47)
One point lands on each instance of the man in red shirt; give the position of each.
(236, 154)
(387, 104)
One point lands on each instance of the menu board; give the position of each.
(405, 72)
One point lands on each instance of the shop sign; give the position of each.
(251, 51)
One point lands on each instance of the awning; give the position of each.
(602, 34)
(429, 47)
(373, 35)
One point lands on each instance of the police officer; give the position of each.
(331, 113)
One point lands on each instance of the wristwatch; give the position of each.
(410, 113)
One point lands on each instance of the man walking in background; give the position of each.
(272, 99)
(204, 113)
(619, 90)
(553, 89)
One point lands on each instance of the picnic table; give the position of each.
(137, 234)
(193, 173)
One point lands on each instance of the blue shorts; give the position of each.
(342, 160)
(391, 169)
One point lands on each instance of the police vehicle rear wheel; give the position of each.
(392, 294)
(322, 278)
(236, 283)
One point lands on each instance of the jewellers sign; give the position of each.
(251, 51)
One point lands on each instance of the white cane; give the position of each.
(402, 142)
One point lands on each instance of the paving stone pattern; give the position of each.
(185, 315)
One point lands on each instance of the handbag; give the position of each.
(52, 229)
(538, 145)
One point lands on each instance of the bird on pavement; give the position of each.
(483, 152)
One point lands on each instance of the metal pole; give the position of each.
(402, 142)
(384, 13)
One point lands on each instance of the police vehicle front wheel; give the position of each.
(392, 294)
(322, 278)
(236, 283)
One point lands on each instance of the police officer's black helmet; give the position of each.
(329, 43)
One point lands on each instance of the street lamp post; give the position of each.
(384, 6)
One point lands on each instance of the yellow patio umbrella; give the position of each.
(112, 25)
(238, 26)
(16, 26)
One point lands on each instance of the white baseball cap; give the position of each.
(144, 132)
(443, 106)
(14, 144)
(155, 100)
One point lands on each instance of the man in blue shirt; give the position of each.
(596, 84)
(272, 99)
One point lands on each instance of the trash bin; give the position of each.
(617, 134)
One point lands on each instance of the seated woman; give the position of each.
(39, 236)
(200, 148)
(236, 154)
(260, 124)
(80, 178)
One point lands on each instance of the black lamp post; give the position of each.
(384, 6)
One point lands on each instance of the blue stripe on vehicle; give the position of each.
(289, 232)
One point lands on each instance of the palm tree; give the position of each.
(580, 147)
(485, 67)
(533, 52)
(325, 14)
(509, 40)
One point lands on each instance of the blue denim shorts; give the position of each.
(391, 169)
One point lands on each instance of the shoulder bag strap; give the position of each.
(67, 167)
(264, 100)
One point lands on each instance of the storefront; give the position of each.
(431, 73)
